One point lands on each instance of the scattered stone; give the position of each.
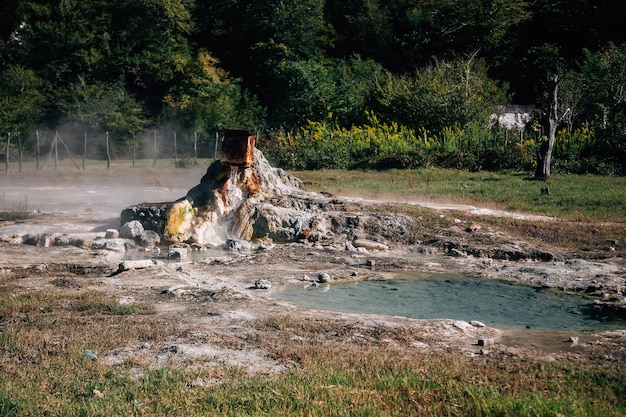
(350, 247)
(137, 264)
(90, 355)
(462, 325)
(148, 238)
(370, 244)
(473, 227)
(323, 277)
(238, 245)
(97, 393)
(263, 246)
(486, 342)
(458, 253)
(131, 229)
(112, 234)
(262, 284)
(114, 245)
(573, 340)
(476, 323)
(177, 252)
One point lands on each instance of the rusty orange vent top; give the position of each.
(238, 148)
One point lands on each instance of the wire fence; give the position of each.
(48, 149)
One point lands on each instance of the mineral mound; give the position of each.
(242, 196)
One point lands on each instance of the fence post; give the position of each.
(175, 152)
(108, 153)
(37, 150)
(84, 150)
(134, 150)
(216, 140)
(6, 153)
(19, 149)
(154, 148)
(56, 150)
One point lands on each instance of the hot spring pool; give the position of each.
(495, 303)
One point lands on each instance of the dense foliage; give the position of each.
(434, 69)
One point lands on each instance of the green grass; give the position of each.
(45, 372)
(339, 381)
(572, 197)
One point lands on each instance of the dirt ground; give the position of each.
(227, 320)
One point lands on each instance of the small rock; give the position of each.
(177, 252)
(130, 265)
(323, 277)
(238, 244)
(457, 252)
(473, 227)
(350, 247)
(148, 238)
(97, 393)
(262, 284)
(266, 246)
(90, 355)
(486, 342)
(111, 234)
(573, 340)
(370, 244)
(476, 323)
(131, 230)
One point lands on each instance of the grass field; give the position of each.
(45, 373)
(571, 197)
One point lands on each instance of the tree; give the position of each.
(447, 94)
(550, 71)
(206, 99)
(22, 99)
(604, 75)
(103, 107)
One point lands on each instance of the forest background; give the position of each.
(323, 83)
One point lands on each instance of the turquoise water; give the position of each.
(495, 303)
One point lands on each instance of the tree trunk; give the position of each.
(544, 155)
